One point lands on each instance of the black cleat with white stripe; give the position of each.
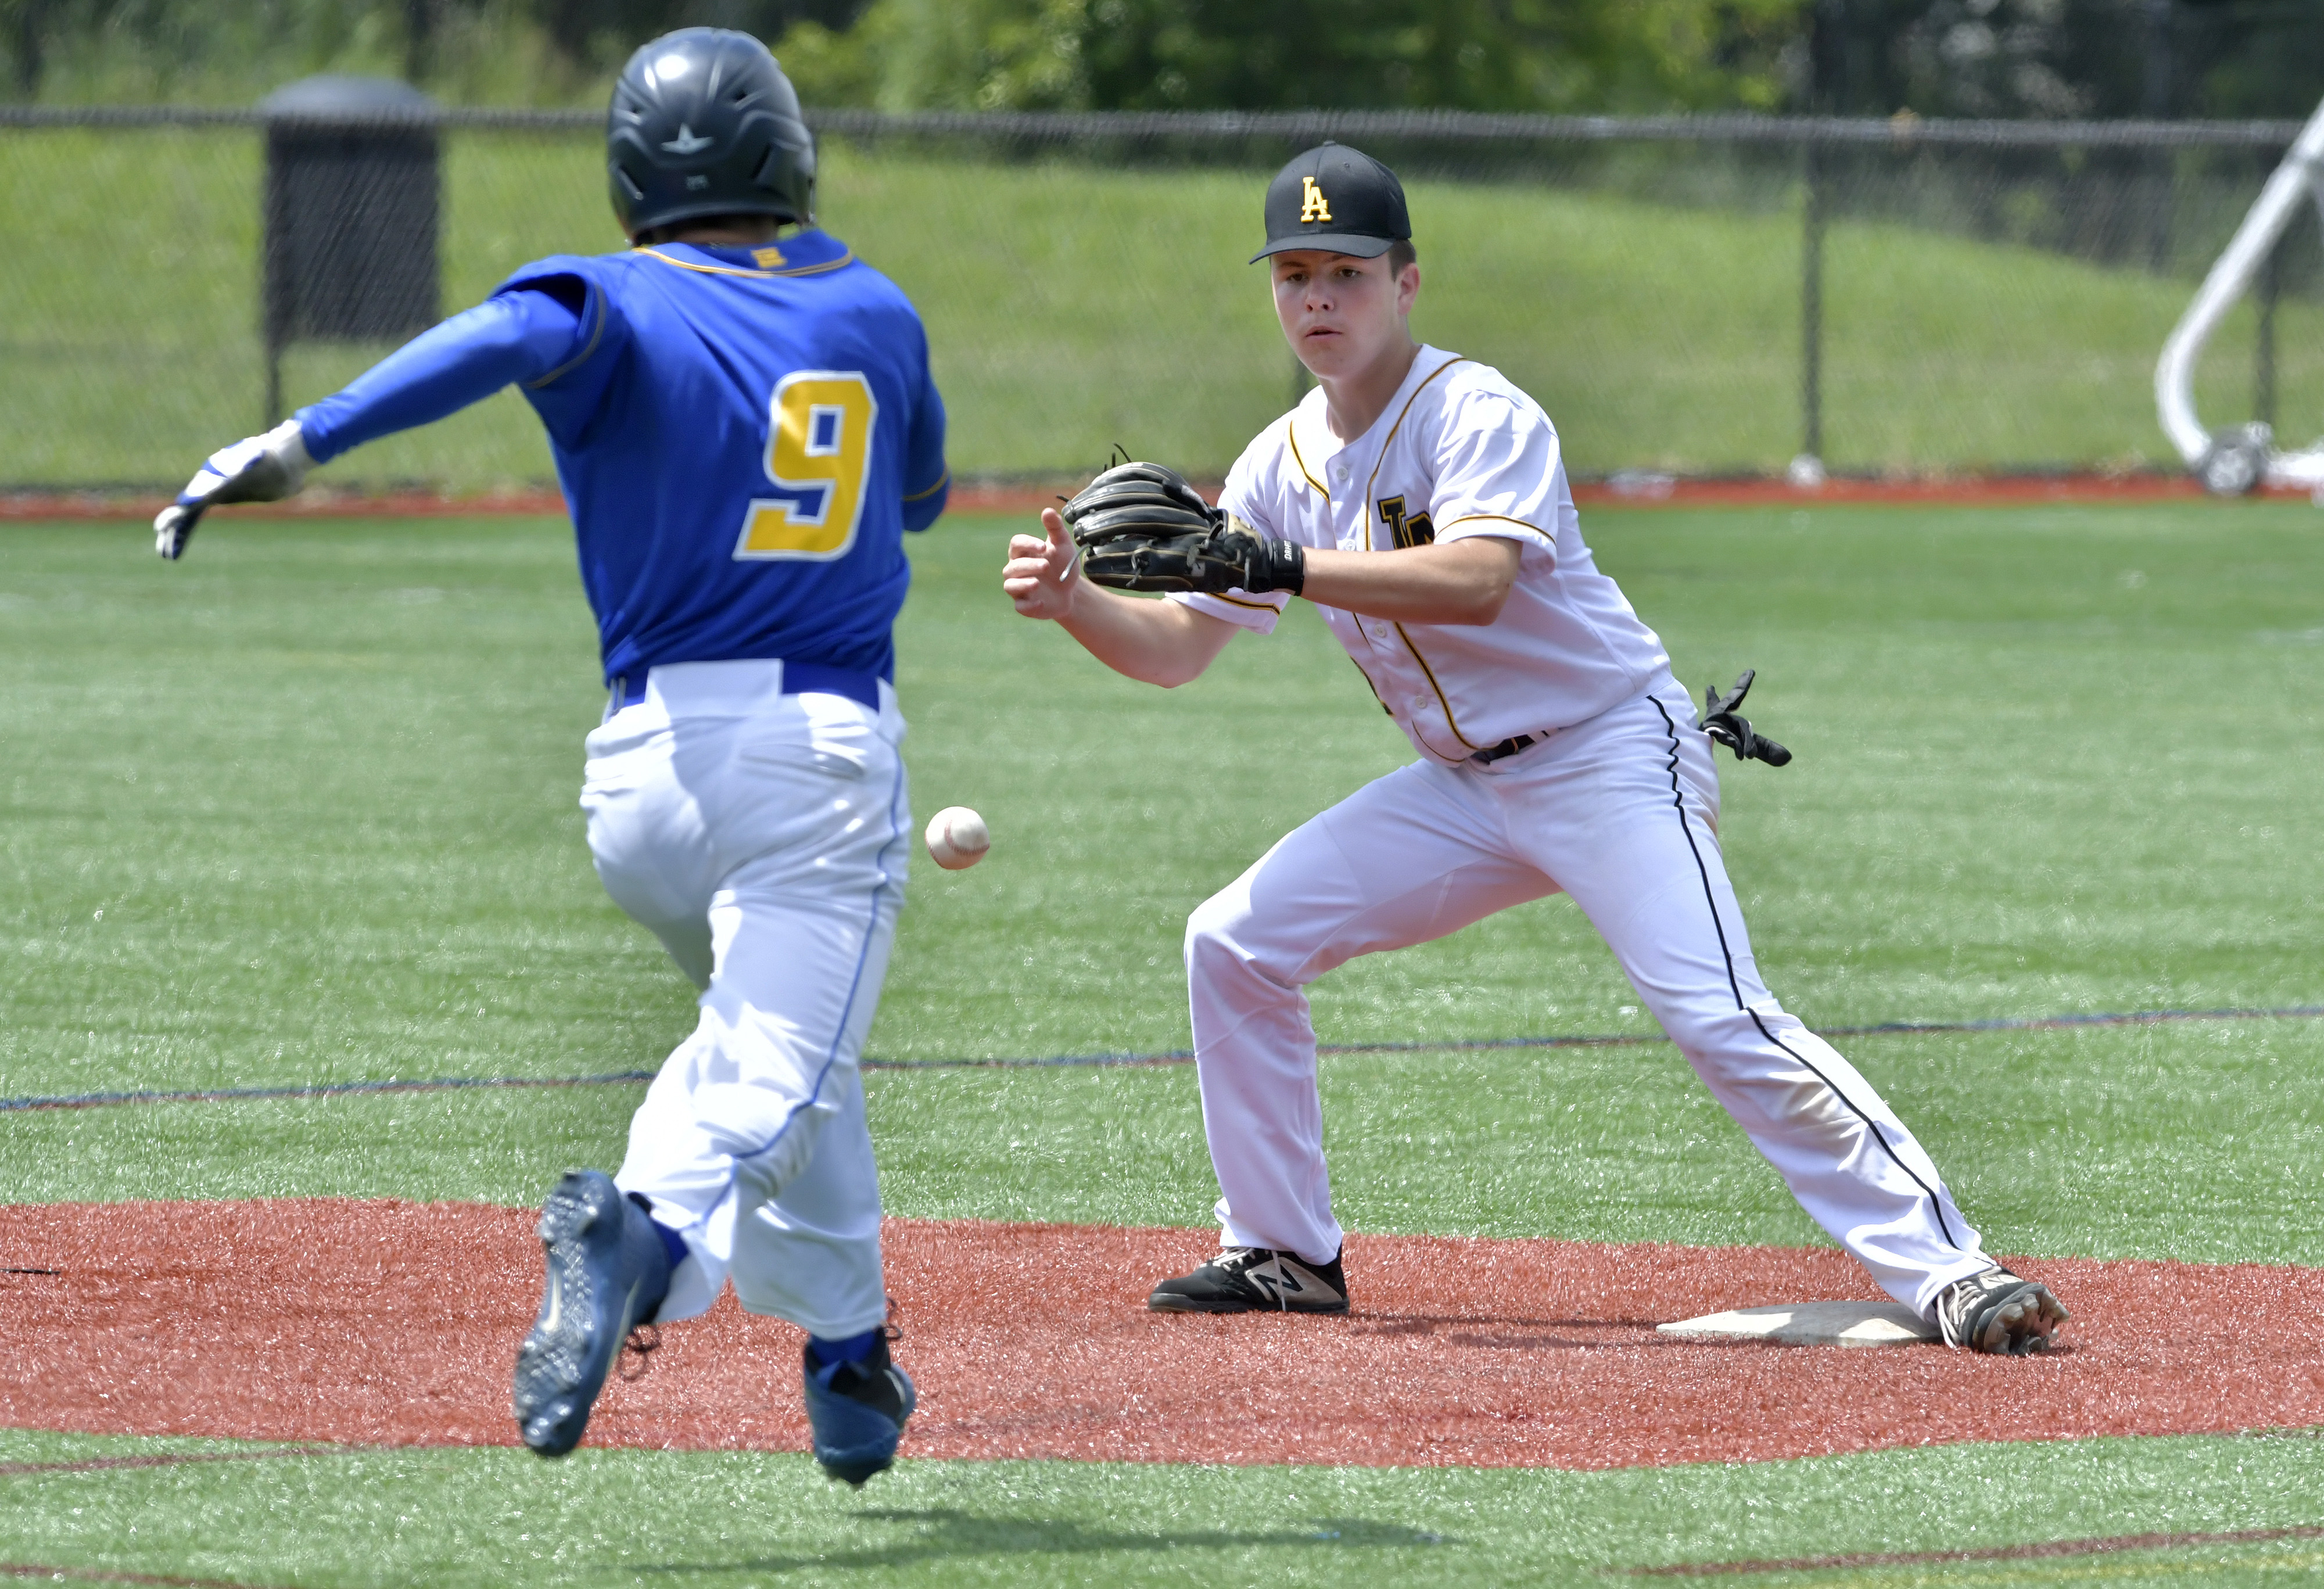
(1999, 1312)
(1256, 1279)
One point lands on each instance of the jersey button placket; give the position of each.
(1348, 516)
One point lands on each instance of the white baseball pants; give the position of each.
(1620, 812)
(762, 837)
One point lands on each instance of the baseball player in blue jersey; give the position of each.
(744, 426)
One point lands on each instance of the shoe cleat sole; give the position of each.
(563, 1363)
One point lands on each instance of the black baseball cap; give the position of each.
(1337, 200)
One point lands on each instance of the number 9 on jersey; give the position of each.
(818, 453)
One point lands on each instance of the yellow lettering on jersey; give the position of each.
(818, 443)
(1419, 529)
(770, 258)
(1311, 204)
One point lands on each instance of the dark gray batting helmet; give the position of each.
(705, 122)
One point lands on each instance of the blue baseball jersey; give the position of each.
(743, 435)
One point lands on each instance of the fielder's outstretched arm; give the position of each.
(1163, 643)
(1464, 581)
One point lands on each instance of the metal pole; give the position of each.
(2156, 104)
(2271, 282)
(1811, 311)
(2293, 185)
(276, 311)
(1827, 90)
(31, 37)
(418, 39)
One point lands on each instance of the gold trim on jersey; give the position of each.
(942, 480)
(708, 269)
(1291, 436)
(1449, 722)
(1503, 518)
(596, 333)
(1428, 673)
(1375, 688)
(1389, 439)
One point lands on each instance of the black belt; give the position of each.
(798, 679)
(1507, 747)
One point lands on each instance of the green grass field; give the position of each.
(1072, 307)
(302, 809)
(718, 1521)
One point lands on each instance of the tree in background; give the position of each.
(1466, 54)
(1230, 54)
(602, 32)
(1987, 58)
(233, 51)
(903, 54)
(2068, 58)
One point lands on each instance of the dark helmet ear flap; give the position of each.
(789, 174)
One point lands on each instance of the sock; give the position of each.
(671, 1242)
(852, 1349)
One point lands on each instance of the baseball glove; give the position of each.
(1723, 723)
(1141, 527)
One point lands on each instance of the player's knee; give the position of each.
(1219, 935)
(1210, 929)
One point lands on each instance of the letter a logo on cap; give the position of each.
(1312, 206)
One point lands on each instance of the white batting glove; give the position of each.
(258, 468)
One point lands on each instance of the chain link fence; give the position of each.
(1698, 296)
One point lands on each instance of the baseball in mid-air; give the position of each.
(958, 839)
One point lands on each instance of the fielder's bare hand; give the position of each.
(257, 469)
(1043, 577)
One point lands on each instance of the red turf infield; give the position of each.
(397, 1323)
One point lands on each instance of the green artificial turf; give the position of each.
(2196, 1143)
(305, 805)
(503, 1516)
(302, 808)
(318, 780)
(1072, 305)
(2049, 761)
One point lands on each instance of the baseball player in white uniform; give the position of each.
(1420, 499)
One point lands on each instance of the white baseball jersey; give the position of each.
(1617, 809)
(1459, 451)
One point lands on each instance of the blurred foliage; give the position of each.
(1471, 54)
(1988, 58)
(2065, 58)
(900, 54)
(1214, 54)
(233, 53)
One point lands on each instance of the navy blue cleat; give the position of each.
(857, 1412)
(608, 1272)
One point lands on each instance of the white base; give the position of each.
(1810, 1324)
